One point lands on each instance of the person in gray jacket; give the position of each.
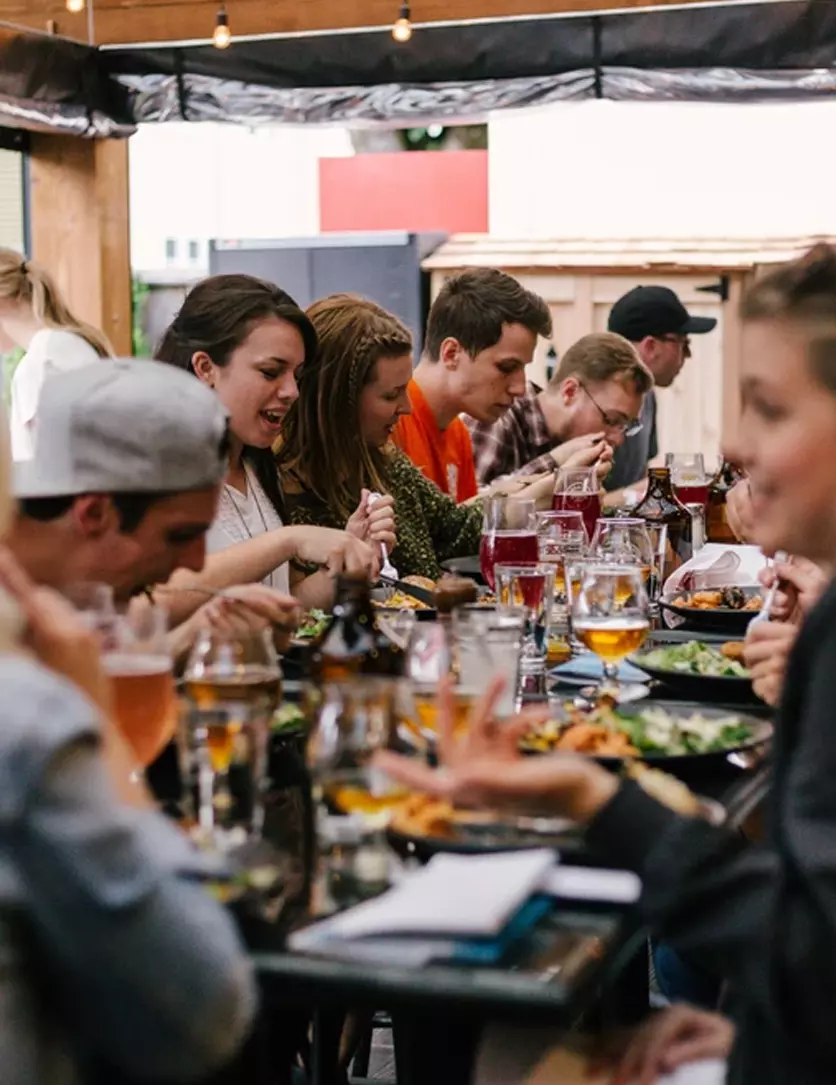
(110, 949)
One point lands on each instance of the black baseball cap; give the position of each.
(655, 310)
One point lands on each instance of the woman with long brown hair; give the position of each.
(248, 340)
(36, 319)
(335, 444)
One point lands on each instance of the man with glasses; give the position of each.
(591, 404)
(658, 325)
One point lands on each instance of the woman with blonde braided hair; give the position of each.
(335, 447)
(35, 318)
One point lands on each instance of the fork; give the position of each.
(387, 569)
(763, 614)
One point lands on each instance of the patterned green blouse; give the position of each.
(430, 526)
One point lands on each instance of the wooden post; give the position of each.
(80, 227)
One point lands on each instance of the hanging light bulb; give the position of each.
(221, 36)
(75, 6)
(402, 30)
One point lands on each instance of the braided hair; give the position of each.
(321, 448)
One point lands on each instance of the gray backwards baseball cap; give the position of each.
(124, 425)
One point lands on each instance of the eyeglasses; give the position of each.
(628, 426)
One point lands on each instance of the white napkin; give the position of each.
(453, 896)
(718, 566)
(563, 1067)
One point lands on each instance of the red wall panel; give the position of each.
(412, 190)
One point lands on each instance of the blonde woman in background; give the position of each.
(34, 318)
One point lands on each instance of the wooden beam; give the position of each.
(80, 230)
(126, 21)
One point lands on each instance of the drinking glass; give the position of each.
(487, 644)
(626, 541)
(428, 660)
(559, 534)
(137, 660)
(610, 615)
(232, 682)
(508, 534)
(532, 588)
(688, 477)
(578, 490)
(93, 602)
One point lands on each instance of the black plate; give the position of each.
(732, 623)
(466, 841)
(721, 689)
(466, 566)
(761, 733)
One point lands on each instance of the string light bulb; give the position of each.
(75, 6)
(221, 36)
(402, 30)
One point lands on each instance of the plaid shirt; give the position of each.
(519, 441)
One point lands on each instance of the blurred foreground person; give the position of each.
(113, 953)
(123, 489)
(761, 916)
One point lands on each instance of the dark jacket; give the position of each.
(763, 917)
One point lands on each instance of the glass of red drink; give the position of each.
(530, 586)
(578, 490)
(508, 535)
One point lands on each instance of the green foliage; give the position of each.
(139, 299)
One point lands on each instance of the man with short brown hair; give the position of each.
(481, 334)
(588, 408)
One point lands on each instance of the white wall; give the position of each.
(667, 169)
(193, 182)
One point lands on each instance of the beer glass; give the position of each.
(610, 615)
(232, 682)
(137, 660)
(625, 541)
(508, 534)
(578, 490)
(488, 644)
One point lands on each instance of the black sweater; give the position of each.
(763, 917)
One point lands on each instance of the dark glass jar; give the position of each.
(669, 523)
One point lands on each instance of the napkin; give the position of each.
(564, 1067)
(717, 566)
(589, 668)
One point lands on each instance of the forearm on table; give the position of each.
(313, 591)
(243, 563)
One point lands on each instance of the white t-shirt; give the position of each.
(246, 516)
(51, 351)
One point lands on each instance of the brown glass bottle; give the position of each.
(351, 644)
(717, 524)
(668, 522)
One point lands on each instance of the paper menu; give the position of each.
(454, 895)
(564, 1067)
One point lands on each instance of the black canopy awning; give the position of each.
(727, 52)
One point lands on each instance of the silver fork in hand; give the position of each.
(387, 569)
(763, 614)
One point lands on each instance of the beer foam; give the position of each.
(128, 665)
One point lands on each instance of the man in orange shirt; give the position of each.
(481, 334)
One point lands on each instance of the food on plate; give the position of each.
(399, 600)
(721, 599)
(664, 788)
(289, 717)
(454, 591)
(313, 623)
(421, 815)
(694, 657)
(605, 732)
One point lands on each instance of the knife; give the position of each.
(423, 595)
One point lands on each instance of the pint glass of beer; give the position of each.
(233, 684)
(137, 660)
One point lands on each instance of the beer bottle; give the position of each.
(717, 524)
(351, 645)
(668, 522)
